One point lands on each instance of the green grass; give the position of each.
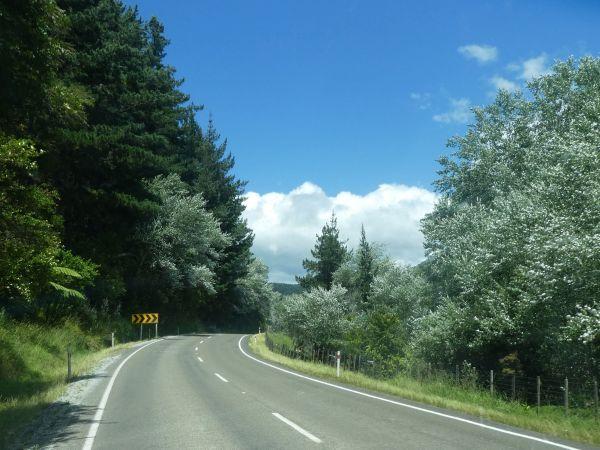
(33, 368)
(579, 426)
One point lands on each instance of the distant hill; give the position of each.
(286, 288)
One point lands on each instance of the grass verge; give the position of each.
(33, 368)
(578, 426)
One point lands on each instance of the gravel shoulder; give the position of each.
(64, 423)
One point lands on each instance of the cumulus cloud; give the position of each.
(460, 112)
(285, 224)
(502, 83)
(481, 53)
(532, 67)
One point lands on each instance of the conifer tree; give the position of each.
(205, 165)
(132, 127)
(329, 253)
(366, 268)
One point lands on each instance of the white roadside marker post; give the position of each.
(112, 339)
(337, 362)
(156, 330)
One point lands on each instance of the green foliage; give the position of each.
(184, 240)
(33, 367)
(30, 52)
(86, 81)
(286, 288)
(313, 318)
(99, 167)
(329, 254)
(67, 292)
(256, 294)
(366, 268)
(512, 244)
(205, 165)
(372, 309)
(28, 224)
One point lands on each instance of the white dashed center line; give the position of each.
(221, 378)
(200, 359)
(298, 428)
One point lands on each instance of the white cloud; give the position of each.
(481, 53)
(460, 112)
(422, 99)
(532, 67)
(285, 224)
(502, 83)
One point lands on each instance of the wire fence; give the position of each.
(570, 394)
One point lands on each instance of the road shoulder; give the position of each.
(65, 422)
(255, 347)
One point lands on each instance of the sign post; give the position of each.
(337, 362)
(148, 318)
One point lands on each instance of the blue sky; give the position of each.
(352, 95)
(321, 91)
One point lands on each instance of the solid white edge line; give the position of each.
(298, 428)
(406, 405)
(200, 359)
(221, 378)
(89, 440)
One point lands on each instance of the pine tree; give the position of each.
(366, 268)
(205, 165)
(329, 253)
(132, 127)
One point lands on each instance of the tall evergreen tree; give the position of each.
(205, 165)
(366, 267)
(132, 127)
(329, 253)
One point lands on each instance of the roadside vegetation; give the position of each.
(510, 278)
(116, 197)
(509, 288)
(444, 393)
(116, 193)
(33, 367)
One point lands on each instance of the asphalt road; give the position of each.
(204, 392)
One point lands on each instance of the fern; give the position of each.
(57, 270)
(67, 292)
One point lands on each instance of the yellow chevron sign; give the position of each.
(144, 318)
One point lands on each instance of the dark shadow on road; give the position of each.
(55, 425)
(87, 377)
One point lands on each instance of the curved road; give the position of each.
(205, 391)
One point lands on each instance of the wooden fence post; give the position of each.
(538, 393)
(69, 369)
(596, 398)
(513, 387)
(566, 395)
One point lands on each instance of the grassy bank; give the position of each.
(578, 426)
(33, 368)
